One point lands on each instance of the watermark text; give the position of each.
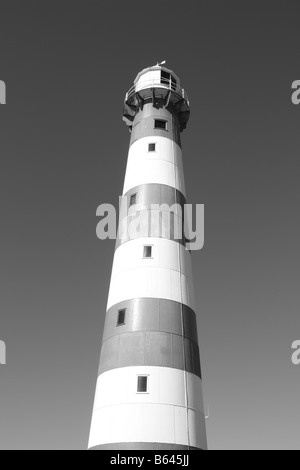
(2, 353)
(296, 94)
(2, 92)
(181, 222)
(296, 354)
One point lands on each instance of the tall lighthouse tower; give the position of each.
(149, 389)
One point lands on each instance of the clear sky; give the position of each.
(63, 148)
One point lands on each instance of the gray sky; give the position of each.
(63, 149)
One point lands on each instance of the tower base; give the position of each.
(142, 446)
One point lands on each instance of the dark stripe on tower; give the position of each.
(156, 332)
(144, 123)
(154, 315)
(145, 195)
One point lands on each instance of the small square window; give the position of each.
(132, 200)
(160, 124)
(151, 147)
(147, 251)
(121, 317)
(142, 384)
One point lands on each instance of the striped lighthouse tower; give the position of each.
(149, 390)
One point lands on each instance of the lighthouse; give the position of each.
(149, 387)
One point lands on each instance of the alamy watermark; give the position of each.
(296, 94)
(2, 92)
(296, 354)
(2, 343)
(177, 222)
(2, 353)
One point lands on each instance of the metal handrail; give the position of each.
(156, 83)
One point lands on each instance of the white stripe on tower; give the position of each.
(149, 388)
(163, 166)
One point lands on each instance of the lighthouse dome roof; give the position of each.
(156, 68)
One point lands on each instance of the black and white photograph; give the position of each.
(149, 202)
